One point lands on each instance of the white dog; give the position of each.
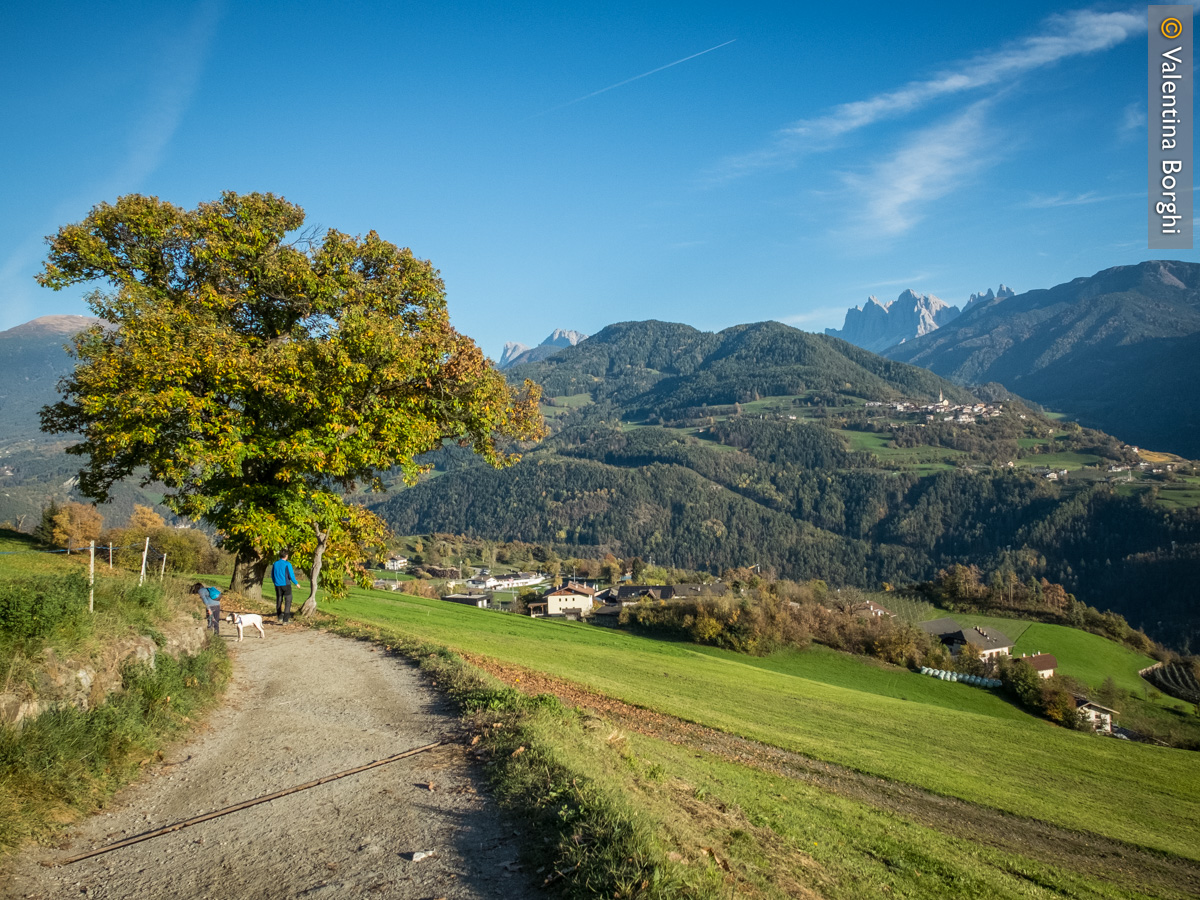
(241, 620)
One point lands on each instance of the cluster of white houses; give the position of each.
(943, 410)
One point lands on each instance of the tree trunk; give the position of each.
(310, 605)
(249, 570)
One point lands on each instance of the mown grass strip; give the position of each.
(783, 837)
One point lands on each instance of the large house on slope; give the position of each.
(571, 600)
(990, 642)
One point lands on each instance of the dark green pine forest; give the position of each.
(800, 453)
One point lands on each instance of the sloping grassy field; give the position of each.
(1145, 795)
(1088, 657)
(870, 676)
(1013, 629)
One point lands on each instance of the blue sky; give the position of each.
(808, 159)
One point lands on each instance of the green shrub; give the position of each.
(147, 596)
(33, 607)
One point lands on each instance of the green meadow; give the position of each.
(947, 738)
(1088, 657)
(1063, 459)
(922, 460)
(1013, 629)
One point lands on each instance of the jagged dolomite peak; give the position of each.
(875, 326)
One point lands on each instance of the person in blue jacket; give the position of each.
(284, 576)
(211, 597)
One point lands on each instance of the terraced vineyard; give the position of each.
(1177, 679)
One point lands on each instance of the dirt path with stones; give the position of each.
(302, 705)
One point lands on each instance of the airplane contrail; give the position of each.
(627, 81)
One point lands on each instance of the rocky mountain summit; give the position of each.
(515, 353)
(1003, 293)
(876, 326)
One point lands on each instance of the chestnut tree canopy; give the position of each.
(262, 374)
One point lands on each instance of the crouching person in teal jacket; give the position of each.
(211, 597)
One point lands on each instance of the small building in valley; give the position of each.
(570, 598)
(1043, 663)
(480, 601)
(871, 608)
(1100, 717)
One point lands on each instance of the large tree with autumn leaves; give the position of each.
(262, 373)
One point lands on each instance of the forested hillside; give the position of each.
(762, 445)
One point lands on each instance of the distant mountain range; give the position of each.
(33, 466)
(32, 360)
(765, 444)
(877, 326)
(515, 354)
(1119, 350)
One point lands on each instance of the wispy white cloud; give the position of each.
(932, 163)
(176, 76)
(179, 74)
(1063, 198)
(907, 282)
(1063, 36)
(821, 316)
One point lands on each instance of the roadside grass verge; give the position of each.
(1144, 795)
(45, 612)
(66, 762)
(551, 772)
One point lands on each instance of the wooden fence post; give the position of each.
(145, 551)
(92, 578)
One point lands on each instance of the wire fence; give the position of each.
(157, 556)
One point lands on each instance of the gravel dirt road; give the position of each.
(302, 705)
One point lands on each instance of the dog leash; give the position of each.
(246, 804)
